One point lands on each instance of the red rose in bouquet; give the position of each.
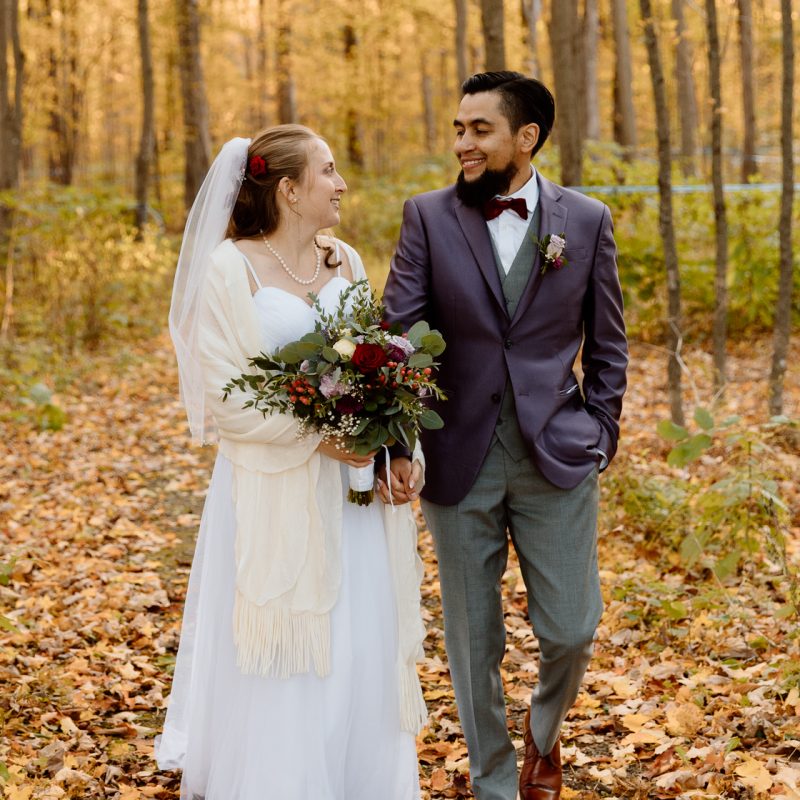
(368, 357)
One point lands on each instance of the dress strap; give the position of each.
(252, 271)
(336, 255)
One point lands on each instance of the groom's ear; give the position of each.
(527, 136)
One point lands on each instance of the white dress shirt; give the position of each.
(508, 229)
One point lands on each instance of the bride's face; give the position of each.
(321, 188)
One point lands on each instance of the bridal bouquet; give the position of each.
(354, 379)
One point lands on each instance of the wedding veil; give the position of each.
(205, 229)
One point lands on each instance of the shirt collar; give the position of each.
(529, 191)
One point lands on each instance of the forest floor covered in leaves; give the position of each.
(694, 690)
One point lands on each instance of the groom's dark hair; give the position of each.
(523, 100)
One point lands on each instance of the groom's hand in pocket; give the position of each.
(405, 479)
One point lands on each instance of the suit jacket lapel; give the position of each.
(553, 219)
(476, 233)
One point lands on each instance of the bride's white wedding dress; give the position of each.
(248, 737)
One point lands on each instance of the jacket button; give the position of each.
(508, 344)
(495, 398)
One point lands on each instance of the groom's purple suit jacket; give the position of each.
(444, 272)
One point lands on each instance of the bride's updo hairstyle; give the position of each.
(276, 153)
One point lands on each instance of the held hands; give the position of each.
(327, 447)
(405, 478)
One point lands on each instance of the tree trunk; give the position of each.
(531, 13)
(10, 97)
(687, 97)
(197, 141)
(248, 48)
(665, 217)
(355, 147)
(144, 161)
(462, 13)
(110, 148)
(10, 145)
(565, 41)
(75, 86)
(493, 34)
(591, 35)
(55, 123)
(65, 105)
(287, 100)
(445, 92)
(624, 115)
(169, 119)
(749, 167)
(262, 62)
(720, 325)
(429, 114)
(783, 309)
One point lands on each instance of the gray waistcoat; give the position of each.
(514, 283)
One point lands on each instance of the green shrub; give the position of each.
(720, 509)
(81, 276)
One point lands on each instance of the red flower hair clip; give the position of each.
(257, 166)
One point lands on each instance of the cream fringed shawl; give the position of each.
(288, 502)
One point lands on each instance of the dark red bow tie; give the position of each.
(496, 206)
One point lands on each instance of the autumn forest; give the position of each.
(680, 115)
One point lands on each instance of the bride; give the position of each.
(295, 677)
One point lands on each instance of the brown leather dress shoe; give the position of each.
(540, 778)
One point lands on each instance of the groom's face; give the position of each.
(484, 141)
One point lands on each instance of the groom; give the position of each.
(520, 276)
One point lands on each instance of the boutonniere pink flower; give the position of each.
(552, 251)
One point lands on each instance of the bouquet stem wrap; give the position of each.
(362, 481)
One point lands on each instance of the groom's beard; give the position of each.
(493, 182)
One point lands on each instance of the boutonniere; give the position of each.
(552, 251)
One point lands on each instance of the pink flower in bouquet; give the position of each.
(402, 343)
(331, 388)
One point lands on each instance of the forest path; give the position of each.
(694, 690)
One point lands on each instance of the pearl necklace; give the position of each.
(290, 272)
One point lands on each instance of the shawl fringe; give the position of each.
(278, 642)
(413, 711)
